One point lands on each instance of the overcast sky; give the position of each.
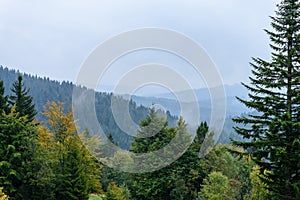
(53, 38)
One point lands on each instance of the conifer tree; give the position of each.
(22, 100)
(17, 138)
(273, 129)
(160, 184)
(152, 185)
(3, 99)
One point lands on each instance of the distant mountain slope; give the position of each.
(44, 89)
(233, 107)
(169, 101)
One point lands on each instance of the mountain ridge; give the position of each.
(44, 89)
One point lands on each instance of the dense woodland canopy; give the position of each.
(43, 156)
(50, 160)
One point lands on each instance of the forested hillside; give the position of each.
(52, 161)
(43, 90)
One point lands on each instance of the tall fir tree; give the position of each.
(273, 129)
(22, 100)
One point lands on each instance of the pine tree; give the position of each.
(3, 99)
(22, 100)
(273, 129)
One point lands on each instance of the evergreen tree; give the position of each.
(42, 177)
(17, 146)
(187, 169)
(22, 100)
(152, 185)
(163, 183)
(3, 99)
(273, 130)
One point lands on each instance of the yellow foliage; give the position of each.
(114, 192)
(259, 190)
(45, 138)
(62, 137)
(61, 124)
(2, 195)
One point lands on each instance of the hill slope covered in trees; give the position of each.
(43, 90)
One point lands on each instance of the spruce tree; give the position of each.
(272, 130)
(3, 99)
(17, 141)
(22, 100)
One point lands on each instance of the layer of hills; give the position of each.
(44, 89)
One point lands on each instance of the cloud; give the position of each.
(52, 38)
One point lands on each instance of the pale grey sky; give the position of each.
(53, 38)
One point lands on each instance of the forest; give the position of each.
(49, 160)
(44, 155)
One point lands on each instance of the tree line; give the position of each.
(43, 90)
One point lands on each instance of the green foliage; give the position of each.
(117, 193)
(95, 198)
(157, 184)
(115, 158)
(76, 170)
(16, 154)
(179, 180)
(236, 169)
(258, 191)
(188, 167)
(42, 177)
(273, 129)
(215, 187)
(153, 135)
(180, 190)
(22, 100)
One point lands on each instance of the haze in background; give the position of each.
(53, 38)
